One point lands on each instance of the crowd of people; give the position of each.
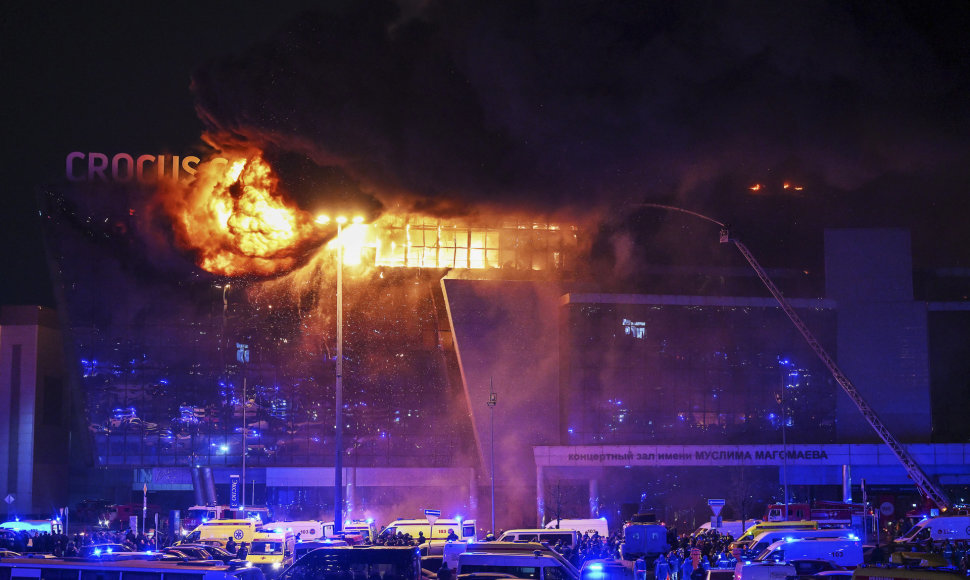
(402, 539)
(58, 544)
(686, 553)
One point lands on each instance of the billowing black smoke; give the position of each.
(562, 106)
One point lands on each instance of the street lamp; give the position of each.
(784, 427)
(492, 401)
(339, 388)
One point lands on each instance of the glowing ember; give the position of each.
(238, 223)
(755, 187)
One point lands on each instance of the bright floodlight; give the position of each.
(323, 219)
(358, 220)
(341, 220)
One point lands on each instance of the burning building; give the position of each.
(495, 156)
(472, 349)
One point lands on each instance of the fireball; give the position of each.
(237, 222)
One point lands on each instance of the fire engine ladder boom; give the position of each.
(916, 473)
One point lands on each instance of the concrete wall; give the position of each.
(34, 426)
(882, 333)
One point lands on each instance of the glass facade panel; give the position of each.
(637, 374)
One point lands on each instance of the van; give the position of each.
(763, 540)
(464, 529)
(583, 526)
(760, 527)
(647, 541)
(366, 528)
(35, 526)
(535, 566)
(763, 571)
(568, 537)
(841, 551)
(734, 527)
(272, 551)
(448, 551)
(303, 548)
(937, 529)
(528, 548)
(306, 531)
(399, 562)
(219, 531)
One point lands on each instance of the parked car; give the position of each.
(215, 552)
(188, 552)
(96, 550)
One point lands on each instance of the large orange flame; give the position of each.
(238, 223)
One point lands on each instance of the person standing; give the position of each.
(661, 570)
(444, 573)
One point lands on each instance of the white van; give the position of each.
(448, 550)
(464, 529)
(765, 539)
(272, 551)
(221, 530)
(38, 526)
(733, 527)
(937, 529)
(526, 548)
(583, 526)
(536, 566)
(841, 551)
(568, 537)
(366, 528)
(763, 571)
(307, 530)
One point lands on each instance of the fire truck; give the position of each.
(927, 487)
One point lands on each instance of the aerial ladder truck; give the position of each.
(923, 482)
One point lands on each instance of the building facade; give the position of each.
(480, 353)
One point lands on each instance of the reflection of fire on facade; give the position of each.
(164, 354)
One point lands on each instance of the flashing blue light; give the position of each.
(458, 519)
(789, 539)
(97, 551)
(853, 537)
(597, 566)
(369, 520)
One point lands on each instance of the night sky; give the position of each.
(572, 109)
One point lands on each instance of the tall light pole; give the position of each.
(338, 494)
(492, 401)
(339, 385)
(784, 428)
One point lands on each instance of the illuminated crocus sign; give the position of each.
(124, 167)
